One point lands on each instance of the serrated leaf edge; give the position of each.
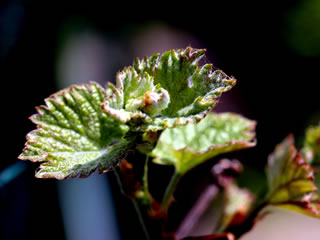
(44, 156)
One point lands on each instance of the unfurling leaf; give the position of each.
(74, 136)
(135, 97)
(311, 148)
(188, 146)
(166, 91)
(290, 178)
(83, 127)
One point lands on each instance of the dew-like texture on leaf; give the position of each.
(187, 146)
(166, 91)
(290, 178)
(74, 136)
(311, 148)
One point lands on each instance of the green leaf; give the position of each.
(290, 178)
(136, 98)
(166, 91)
(188, 146)
(306, 208)
(311, 148)
(74, 136)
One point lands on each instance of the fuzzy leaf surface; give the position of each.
(136, 99)
(74, 136)
(166, 91)
(290, 178)
(188, 146)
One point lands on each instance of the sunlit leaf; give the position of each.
(290, 178)
(74, 136)
(188, 146)
(135, 98)
(166, 91)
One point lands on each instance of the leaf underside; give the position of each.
(188, 146)
(74, 137)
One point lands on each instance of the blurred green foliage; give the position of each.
(301, 28)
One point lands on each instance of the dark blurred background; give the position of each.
(271, 47)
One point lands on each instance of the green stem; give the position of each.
(135, 204)
(117, 174)
(140, 216)
(170, 190)
(145, 177)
